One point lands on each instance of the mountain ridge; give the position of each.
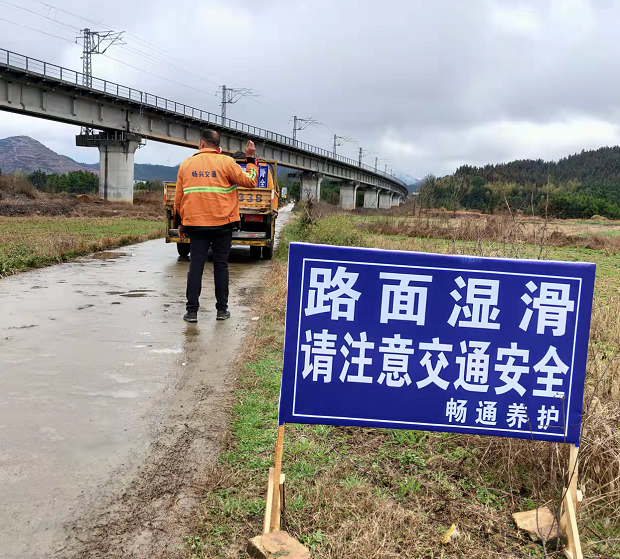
(23, 153)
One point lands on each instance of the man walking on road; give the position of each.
(207, 203)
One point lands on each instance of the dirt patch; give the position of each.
(24, 200)
(149, 517)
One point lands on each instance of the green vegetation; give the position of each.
(149, 186)
(578, 186)
(74, 182)
(39, 241)
(355, 492)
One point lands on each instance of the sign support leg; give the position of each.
(275, 489)
(572, 500)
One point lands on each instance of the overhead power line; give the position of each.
(301, 124)
(37, 30)
(341, 141)
(156, 75)
(143, 49)
(161, 51)
(61, 23)
(364, 153)
(231, 95)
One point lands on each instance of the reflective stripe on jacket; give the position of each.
(206, 189)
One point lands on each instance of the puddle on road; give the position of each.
(108, 255)
(132, 292)
(114, 394)
(167, 350)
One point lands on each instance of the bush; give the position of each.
(334, 230)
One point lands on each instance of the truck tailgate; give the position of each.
(254, 200)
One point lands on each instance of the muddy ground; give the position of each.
(111, 407)
(147, 205)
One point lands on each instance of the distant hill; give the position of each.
(596, 171)
(22, 153)
(582, 185)
(146, 172)
(414, 186)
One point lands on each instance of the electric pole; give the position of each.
(376, 163)
(340, 141)
(95, 42)
(363, 153)
(300, 124)
(231, 95)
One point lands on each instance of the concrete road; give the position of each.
(100, 379)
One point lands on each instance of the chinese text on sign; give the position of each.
(435, 342)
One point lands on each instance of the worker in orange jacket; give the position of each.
(207, 203)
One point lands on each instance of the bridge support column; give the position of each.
(348, 193)
(371, 198)
(116, 158)
(395, 200)
(385, 200)
(311, 186)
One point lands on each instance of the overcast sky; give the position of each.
(429, 85)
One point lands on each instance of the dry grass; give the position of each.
(38, 229)
(16, 186)
(384, 494)
(28, 242)
(516, 235)
(19, 198)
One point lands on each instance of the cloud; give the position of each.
(501, 141)
(428, 85)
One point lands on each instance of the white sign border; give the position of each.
(451, 426)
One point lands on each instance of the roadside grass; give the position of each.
(375, 493)
(32, 242)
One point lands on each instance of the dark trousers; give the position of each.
(220, 240)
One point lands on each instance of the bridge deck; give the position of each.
(141, 108)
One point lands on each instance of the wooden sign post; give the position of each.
(571, 503)
(275, 491)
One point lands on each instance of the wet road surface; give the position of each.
(97, 370)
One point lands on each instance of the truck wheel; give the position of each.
(254, 252)
(183, 249)
(267, 253)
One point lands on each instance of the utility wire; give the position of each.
(140, 41)
(156, 75)
(16, 7)
(161, 61)
(147, 44)
(38, 30)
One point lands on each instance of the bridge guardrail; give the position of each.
(45, 69)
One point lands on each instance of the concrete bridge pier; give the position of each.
(385, 200)
(395, 200)
(311, 186)
(348, 195)
(116, 158)
(371, 198)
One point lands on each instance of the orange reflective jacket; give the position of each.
(206, 190)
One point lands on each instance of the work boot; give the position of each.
(223, 315)
(191, 316)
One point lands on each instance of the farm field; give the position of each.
(35, 241)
